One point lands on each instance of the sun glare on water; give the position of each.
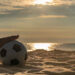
(43, 2)
(44, 46)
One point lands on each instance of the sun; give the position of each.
(42, 2)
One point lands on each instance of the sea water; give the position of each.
(51, 46)
(35, 46)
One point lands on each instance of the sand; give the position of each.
(42, 62)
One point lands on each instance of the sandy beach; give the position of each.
(44, 28)
(41, 62)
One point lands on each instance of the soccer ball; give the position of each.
(13, 53)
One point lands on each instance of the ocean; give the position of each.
(51, 46)
(35, 46)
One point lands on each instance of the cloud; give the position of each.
(25, 9)
(52, 16)
(66, 2)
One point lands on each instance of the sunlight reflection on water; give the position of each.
(44, 46)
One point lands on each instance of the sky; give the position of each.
(38, 20)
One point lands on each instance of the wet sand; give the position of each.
(43, 62)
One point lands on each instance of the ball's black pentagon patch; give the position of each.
(3, 52)
(14, 62)
(17, 47)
